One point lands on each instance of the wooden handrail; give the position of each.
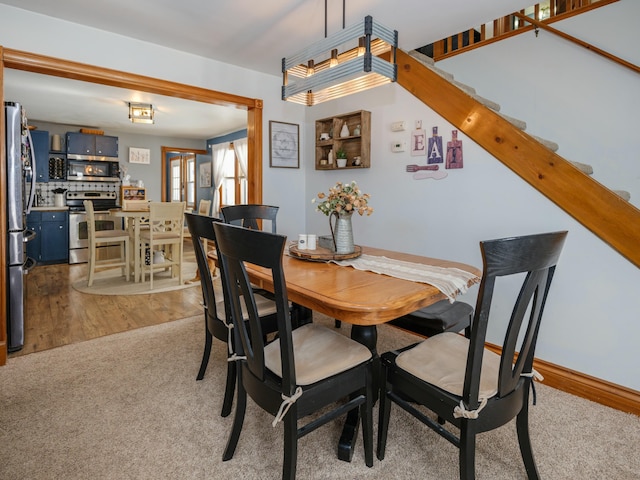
(577, 41)
(503, 28)
(597, 208)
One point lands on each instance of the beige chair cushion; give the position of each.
(103, 235)
(264, 305)
(441, 360)
(319, 353)
(159, 236)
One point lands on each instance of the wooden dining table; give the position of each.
(362, 298)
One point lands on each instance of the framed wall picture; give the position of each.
(139, 155)
(284, 145)
(205, 175)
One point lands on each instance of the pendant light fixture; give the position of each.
(341, 64)
(141, 112)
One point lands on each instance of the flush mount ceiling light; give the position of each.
(141, 112)
(341, 64)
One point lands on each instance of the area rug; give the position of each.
(111, 282)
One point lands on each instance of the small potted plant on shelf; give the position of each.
(341, 156)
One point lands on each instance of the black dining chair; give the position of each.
(459, 379)
(305, 370)
(442, 316)
(248, 216)
(217, 317)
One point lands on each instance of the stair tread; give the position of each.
(465, 88)
(429, 63)
(521, 124)
(487, 103)
(623, 194)
(421, 57)
(553, 146)
(583, 167)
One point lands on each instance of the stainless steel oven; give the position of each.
(78, 232)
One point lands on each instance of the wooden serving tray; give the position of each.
(323, 254)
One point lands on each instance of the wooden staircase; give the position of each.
(521, 124)
(568, 184)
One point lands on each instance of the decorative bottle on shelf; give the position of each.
(356, 131)
(345, 130)
(330, 157)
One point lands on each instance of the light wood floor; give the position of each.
(57, 314)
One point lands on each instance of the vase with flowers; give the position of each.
(343, 199)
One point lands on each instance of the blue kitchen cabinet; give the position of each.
(51, 243)
(106, 146)
(80, 144)
(87, 144)
(55, 237)
(41, 151)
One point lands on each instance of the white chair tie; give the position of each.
(533, 374)
(229, 337)
(461, 410)
(285, 405)
(234, 357)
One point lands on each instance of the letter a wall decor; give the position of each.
(434, 148)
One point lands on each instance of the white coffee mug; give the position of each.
(302, 242)
(311, 242)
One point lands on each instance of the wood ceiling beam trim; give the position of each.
(36, 63)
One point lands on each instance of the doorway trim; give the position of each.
(31, 62)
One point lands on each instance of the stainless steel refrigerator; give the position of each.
(20, 170)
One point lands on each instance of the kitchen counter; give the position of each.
(50, 208)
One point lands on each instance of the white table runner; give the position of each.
(450, 281)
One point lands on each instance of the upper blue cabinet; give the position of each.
(83, 146)
(41, 151)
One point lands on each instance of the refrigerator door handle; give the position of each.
(32, 193)
(28, 265)
(29, 235)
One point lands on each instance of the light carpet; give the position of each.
(127, 406)
(112, 282)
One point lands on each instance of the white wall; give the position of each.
(23, 30)
(568, 94)
(591, 318)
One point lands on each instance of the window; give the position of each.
(182, 179)
(234, 184)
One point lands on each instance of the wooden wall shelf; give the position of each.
(353, 144)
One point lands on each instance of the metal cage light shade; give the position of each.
(320, 73)
(141, 112)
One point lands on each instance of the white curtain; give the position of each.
(218, 152)
(241, 149)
